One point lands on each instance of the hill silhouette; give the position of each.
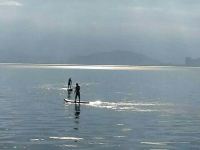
(115, 58)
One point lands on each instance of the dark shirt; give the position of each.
(77, 89)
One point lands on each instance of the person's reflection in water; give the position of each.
(77, 114)
(77, 110)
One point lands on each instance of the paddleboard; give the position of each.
(69, 89)
(72, 101)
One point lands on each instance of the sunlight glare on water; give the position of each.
(94, 67)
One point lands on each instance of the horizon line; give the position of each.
(94, 67)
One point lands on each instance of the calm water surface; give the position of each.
(130, 108)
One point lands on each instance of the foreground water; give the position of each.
(130, 108)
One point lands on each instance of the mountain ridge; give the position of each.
(114, 58)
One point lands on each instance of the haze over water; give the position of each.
(130, 107)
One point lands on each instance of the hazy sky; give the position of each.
(166, 29)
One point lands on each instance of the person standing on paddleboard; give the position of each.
(77, 92)
(69, 83)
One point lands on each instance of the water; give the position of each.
(130, 108)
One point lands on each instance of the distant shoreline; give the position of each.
(88, 66)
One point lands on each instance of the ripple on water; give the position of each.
(66, 138)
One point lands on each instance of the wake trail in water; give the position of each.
(132, 106)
